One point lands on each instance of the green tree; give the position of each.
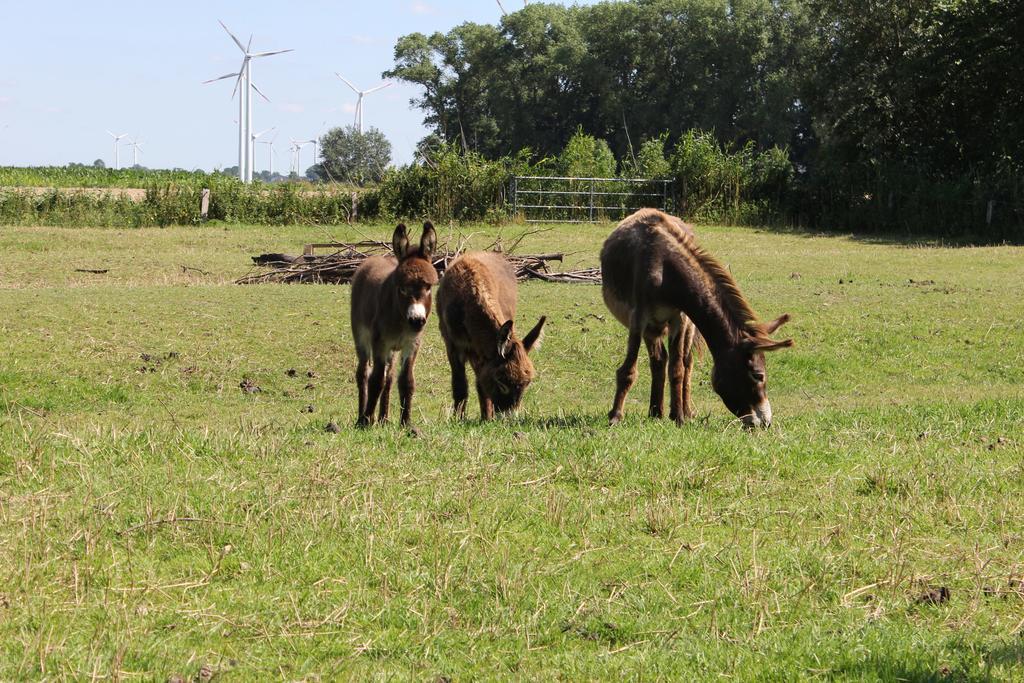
(650, 161)
(353, 157)
(585, 156)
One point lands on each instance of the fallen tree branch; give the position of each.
(186, 269)
(339, 267)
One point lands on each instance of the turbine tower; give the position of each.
(256, 140)
(296, 148)
(135, 144)
(117, 155)
(245, 87)
(270, 153)
(313, 142)
(362, 94)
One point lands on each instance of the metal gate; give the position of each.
(557, 199)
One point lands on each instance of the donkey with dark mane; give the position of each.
(656, 280)
(390, 305)
(476, 302)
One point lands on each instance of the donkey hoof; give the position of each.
(363, 422)
(614, 418)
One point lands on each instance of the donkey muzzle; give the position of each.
(417, 316)
(761, 416)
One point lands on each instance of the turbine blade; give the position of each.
(237, 83)
(249, 44)
(260, 92)
(256, 135)
(272, 52)
(237, 41)
(220, 78)
(347, 82)
(379, 87)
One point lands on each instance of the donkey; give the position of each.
(476, 302)
(390, 305)
(655, 281)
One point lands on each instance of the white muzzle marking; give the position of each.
(417, 312)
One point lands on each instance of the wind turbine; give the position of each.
(135, 144)
(271, 153)
(245, 87)
(313, 142)
(362, 94)
(297, 146)
(256, 139)
(117, 155)
(502, 7)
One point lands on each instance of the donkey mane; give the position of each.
(480, 287)
(720, 280)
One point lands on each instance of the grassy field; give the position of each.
(156, 520)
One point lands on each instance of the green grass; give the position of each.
(154, 518)
(88, 176)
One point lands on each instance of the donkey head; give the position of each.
(505, 377)
(415, 274)
(738, 376)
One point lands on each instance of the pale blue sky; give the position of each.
(70, 70)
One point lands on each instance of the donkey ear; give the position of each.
(770, 328)
(765, 345)
(400, 241)
(428, 241)
(504, 335)
(534, 336)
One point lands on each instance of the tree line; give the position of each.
(893, 114)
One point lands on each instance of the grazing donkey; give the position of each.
(390, 305)
(655, 281)
(476, 302)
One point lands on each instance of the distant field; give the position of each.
(69, 177)
(88, 176)
(156, 519)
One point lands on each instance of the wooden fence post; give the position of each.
(353, 215)
(990, 211)
(204, 204)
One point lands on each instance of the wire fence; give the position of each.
(561, 199)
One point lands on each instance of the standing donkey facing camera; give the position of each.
(390, 305)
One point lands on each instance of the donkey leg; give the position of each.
(373, 389)
(676, 372)
(385, 392)
(362, 373)
(486, 405)
(626, 374)
(460, 385)
(688, 343)
(656, 351)
(406, 382)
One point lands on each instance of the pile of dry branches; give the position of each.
(339, 266)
